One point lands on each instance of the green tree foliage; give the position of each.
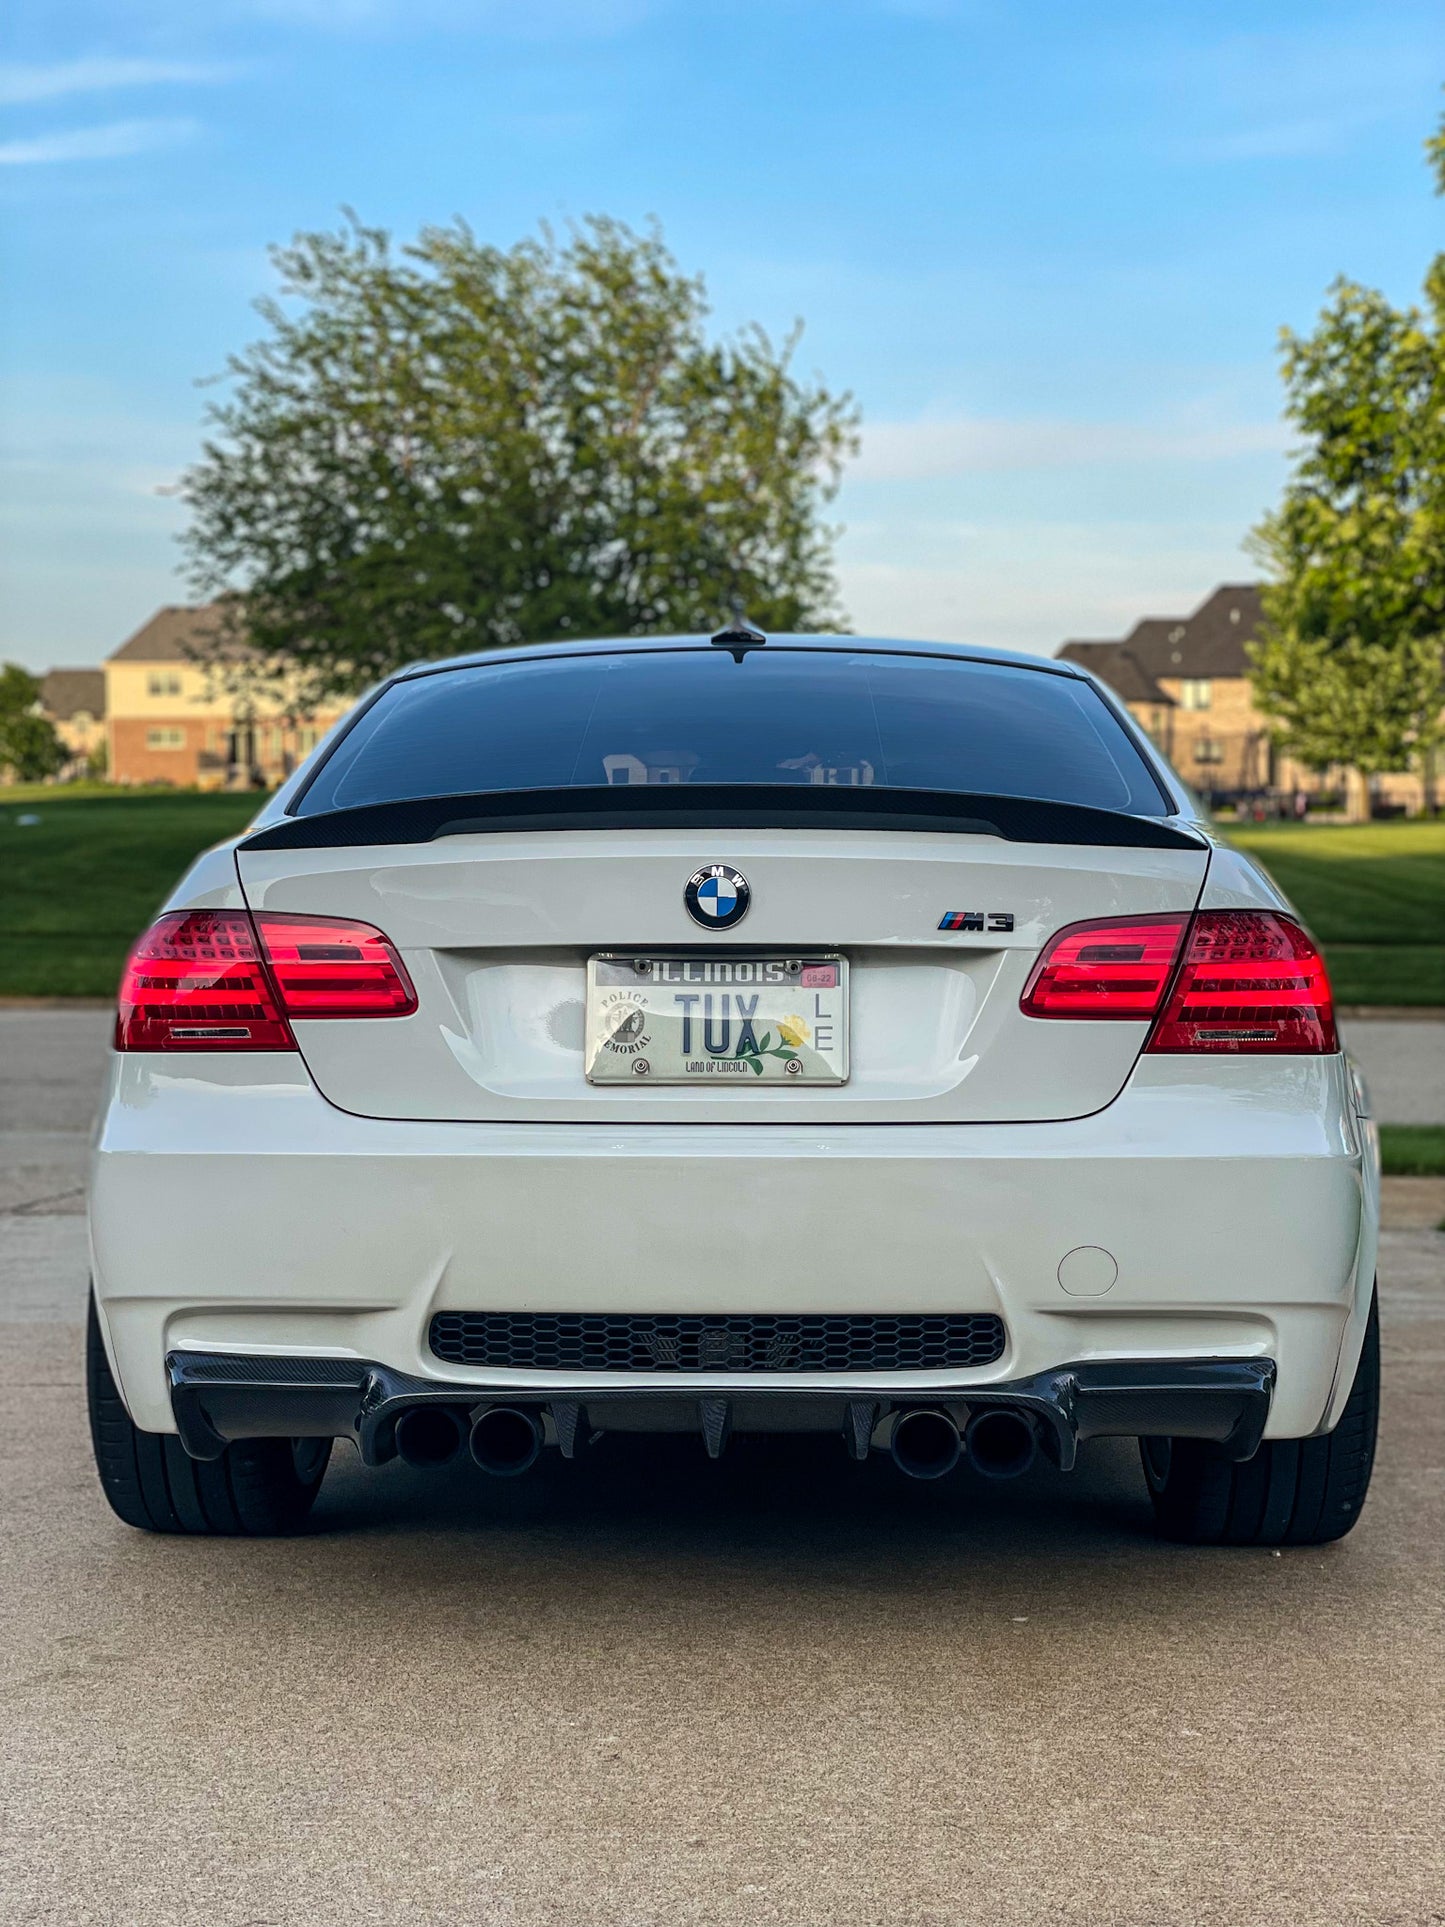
(1350, 658)
(30, 750)
(452, 446)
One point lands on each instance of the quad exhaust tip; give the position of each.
(925, 1444)
(1001, 1444)
(506, 1442)
(429, 1435)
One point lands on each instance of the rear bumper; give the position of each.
(1228, 1210)
(216, 1399)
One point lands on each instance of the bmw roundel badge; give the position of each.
(717, 897)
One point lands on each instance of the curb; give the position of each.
(57, 1003)
(1397, 1013)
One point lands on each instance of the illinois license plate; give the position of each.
(745, 1021)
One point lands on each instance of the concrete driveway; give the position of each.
(649, 1690)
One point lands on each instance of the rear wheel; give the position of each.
(257, 1487)
(1293, 1492)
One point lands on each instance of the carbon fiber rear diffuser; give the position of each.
(218, 1397)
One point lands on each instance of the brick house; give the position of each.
(1185, 679)
(172, 719)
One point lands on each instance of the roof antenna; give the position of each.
(739, 636)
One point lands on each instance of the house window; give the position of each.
(1207, 750)
(165, 739)
(1196, 692)
(167, 683)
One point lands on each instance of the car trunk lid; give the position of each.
(496, 927)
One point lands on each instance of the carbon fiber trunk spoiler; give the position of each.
(763, 806)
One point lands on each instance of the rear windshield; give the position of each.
(779, 716)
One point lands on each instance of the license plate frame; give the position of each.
(704, 1043)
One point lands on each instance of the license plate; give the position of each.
(744, 1021)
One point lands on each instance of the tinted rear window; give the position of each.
(780, 716)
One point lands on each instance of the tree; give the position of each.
(454, 446)
(1350, 656)
(30, 750)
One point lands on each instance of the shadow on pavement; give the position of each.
(664, 1489)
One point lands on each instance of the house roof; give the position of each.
(1116, 664)
(1157, 641)
(174, 634)
(1219, 629)
(67, 692)
(1210, 643)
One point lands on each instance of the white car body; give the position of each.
(1112, 1208)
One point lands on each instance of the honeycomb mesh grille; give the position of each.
(656, 1342)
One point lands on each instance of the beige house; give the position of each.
(173, 719)
(74, 702)
(1186, 680)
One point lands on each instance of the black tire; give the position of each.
(258, 1487)
(1293, 1492)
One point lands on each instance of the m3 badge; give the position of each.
(976, 920)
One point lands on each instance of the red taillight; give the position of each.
(195, 981)
(204, 980)
(1250, 981)
(1118, 967)
(334, 967)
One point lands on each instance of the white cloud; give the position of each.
(1031, 585)
(22, 82)
(113, 141)
(1281, 96)
(1270, 141)
(979, 444)
(90, 545)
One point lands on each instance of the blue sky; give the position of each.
(1047, 246)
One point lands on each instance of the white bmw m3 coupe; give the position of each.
(731, 1035)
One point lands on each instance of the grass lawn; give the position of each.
(1374, 895)
(76, 887)
(1412, 1150)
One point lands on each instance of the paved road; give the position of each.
(651, 1691)
(1403, 1061)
